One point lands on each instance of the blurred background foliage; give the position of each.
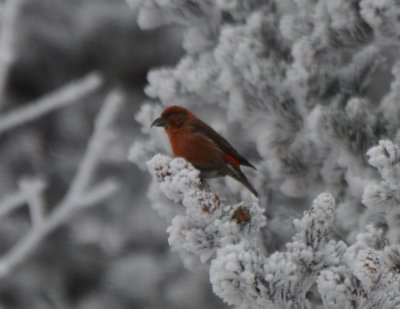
(113, 255)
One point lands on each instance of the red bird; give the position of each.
(198, 143)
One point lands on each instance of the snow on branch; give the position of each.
(68, 94)
(384, 197)
(154, 13)
(367, 278)
(226, 236)
(200, 17)
(241, 274)
(207, 224)
(80, 194)
(301, 79)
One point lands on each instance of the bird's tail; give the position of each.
(239, 176)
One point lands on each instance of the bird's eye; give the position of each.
(168, 115)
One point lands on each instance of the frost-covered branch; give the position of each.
(368, 277)
(68, 94)
(242, 274)
(81, 193)
(384, 197)
(154, 13)
(207, 224)
(9, 15)
(282, 279)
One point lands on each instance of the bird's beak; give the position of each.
(159, 122)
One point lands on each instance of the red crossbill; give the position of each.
(198, 143)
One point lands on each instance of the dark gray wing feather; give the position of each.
(201, 127)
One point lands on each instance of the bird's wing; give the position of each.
(199, 126)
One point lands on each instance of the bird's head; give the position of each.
(173, 117)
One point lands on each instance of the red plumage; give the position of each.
(201, 145)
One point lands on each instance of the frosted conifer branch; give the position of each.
(290, 275)
(366, 279)
(242, 275)
(226, 237)
(384, 197)
(316, 223)
(208, 228)
(300, 77)
(68, 94)
(9, 16)
(207, 224)
(237, 276)
(389, 106)
(381, 16)
(386, 158)
(391, 256)
(154, 13)
(79, 194)
(202, 19)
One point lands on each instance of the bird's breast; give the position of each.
(198, 149)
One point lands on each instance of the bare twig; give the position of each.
(96, 146)
(11, 202)
(66, 95)
(30, 241)
(33, 189)
(78, 195)
(9, 15)
(19, 198)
